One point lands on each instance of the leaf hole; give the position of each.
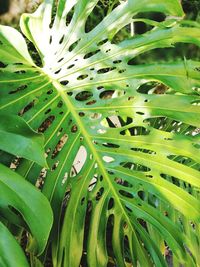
(62, 38)
(27, 108)
(93, 183)
(49, 92)
(91, 102)
(20, 88)
(56, 72)
(108, 50)
(130, 98)
(60, 104)
(102, 42)
(73, 46)
(2, 65)
(110, 145)
(110, 203)
(64, 82)
(60, 60)
(100, 87)
(47, 111)
(134, 131)
(79, 161)
(125, 225)
(117, 61)
(135, 166)
(55, 165)
(99, 193)
(70, 66)
(74, 128)
(108, 159)
(128, 208)
(82, 201)
(141, 194)
(140, 113)
(81, 114)
(107, 94)
(82, 77)
(149, 176)
(59, 146)
(20, 72)
(105, 70)
(83, 96)
(121, 71)
(64, 178)
(90, 54)
(148, 151)
(17, 64)
(123, 182)
(60, 131)
(46, 124)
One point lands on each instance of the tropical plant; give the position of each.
(21, 204)
(121, 138)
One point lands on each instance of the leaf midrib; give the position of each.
(91, 147)
(138, 107)
(154, 159)
(128, 77)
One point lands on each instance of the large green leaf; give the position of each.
(21, 204)
(17, 138)
(24, 205)
(123, 160)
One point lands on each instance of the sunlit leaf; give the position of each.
(120, 137)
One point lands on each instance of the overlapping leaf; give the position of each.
(17, 199)
(17, 138)
(21, 204)
(8, 241)
(122, 160)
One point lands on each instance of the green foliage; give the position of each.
(8, 247)
(121, 138)
(192, 8)
(21, 203)
(17, 138)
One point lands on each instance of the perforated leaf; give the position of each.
(124, 160)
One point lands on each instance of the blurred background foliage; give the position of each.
(10, 11)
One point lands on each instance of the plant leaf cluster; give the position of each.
(121, 139)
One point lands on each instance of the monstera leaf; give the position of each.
(121, 138)
(21, 203)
